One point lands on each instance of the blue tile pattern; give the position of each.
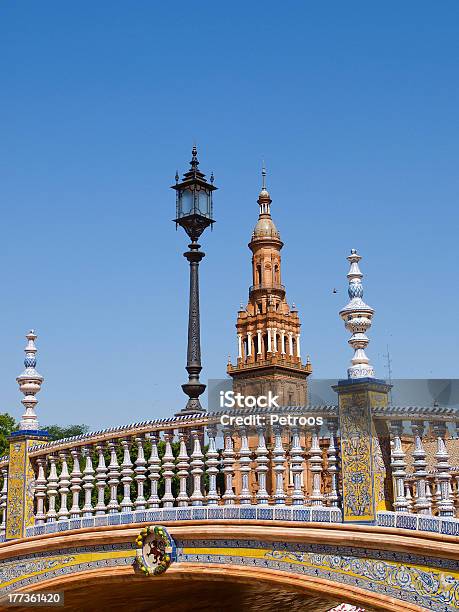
(265, 514)
(420, 522)
(406, 521)
(374, 570)
(419, 579)
(302, 514)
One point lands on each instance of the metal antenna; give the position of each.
(389, 371)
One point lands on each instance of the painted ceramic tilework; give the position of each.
(419, 522)
(202, 513)
(356, 454)
(429, 582)
(381, 454)
(16, 489)
(304, 514)
(29, 517)
(18, 572)
(21, 481)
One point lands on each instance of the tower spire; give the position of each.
(357, 318)
(268, 330)
(264, 199)
(30, 382)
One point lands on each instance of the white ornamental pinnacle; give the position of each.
(357, 318)
(29, 384)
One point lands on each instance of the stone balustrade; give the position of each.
(193, 462)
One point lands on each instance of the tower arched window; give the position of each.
(276, 274)
(259, 276)
(265, 345)
(268, 276)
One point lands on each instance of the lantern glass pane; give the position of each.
(204, 203)
(186, 201)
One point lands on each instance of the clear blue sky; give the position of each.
(354, 107)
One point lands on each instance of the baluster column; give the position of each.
(437, 491)
(113, 479)
(101, 481)
(126, 477)
(64, 483)
(52, 486)
(212, 467)
(398, 465)
(197, 465)
(75, 480)
(421, 504)
(168, 473)
(244, 463)
(296, 463)
(228, 468)
(332, 454)
(279, 466)
(154, 463)
(431, 497)
(40, 491)
(409, 497)
(88, 482)
(315, 465)
(183, 467)
(444, 501)
(261, 468)
(140, 475)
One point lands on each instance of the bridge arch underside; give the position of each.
(189, 589)
(246, 567)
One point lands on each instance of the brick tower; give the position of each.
(268, 330)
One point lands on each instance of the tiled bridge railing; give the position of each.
(186, 468)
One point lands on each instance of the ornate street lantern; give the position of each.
(194, 212)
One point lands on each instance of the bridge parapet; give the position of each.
(384, 568)
(189, 467)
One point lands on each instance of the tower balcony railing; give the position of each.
(190, 468)
(266, 287)
(276, 359)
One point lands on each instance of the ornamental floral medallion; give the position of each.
(154, 550)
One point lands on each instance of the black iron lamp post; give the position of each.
(194, 213)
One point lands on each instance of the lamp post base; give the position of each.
(193, 405)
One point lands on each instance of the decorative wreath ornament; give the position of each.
(154, 550)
